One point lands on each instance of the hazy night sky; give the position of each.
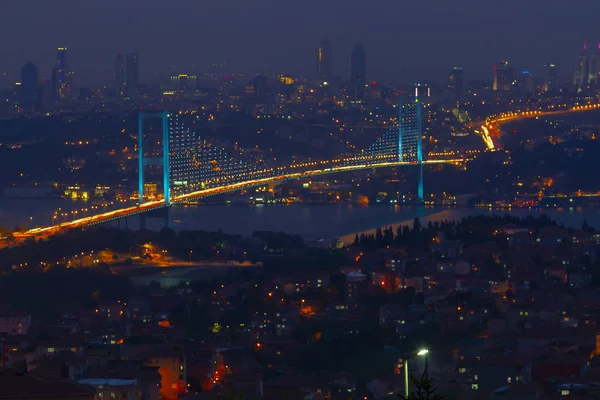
(280, 36)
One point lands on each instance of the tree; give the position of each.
(424, 388)
(379, 236)
(417, 225)
(356, 240)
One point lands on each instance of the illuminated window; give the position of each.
(564, 392)
(474, 386)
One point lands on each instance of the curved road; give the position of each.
(490, 128)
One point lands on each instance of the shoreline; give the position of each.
(570, 221)
(348, 238)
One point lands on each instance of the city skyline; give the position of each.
(252, 39)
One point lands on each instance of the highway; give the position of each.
(44, 232)
(491, 126)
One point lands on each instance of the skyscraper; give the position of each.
(455, 86)
(549, 77)
(120, 75)
(358, 71)
(526, 83)
(324, 61)
(581, 72)
(593, 66)
(29, 83)
(504, 77)
(61, 76)
(131, 74)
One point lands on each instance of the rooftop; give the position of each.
(24, 386)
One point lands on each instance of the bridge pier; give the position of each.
(164, 213)
(420, 188)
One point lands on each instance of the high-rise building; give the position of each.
(183, 81)
(422, 91)
(504, 77)
(358, 71)
(120, 75)
(581, 72)
(593, 66)
(526, 83)
(324, 61)
(550, 77)
(257, 88)
(131, 74)
(29, 87)
(61, 76)
(456, 85)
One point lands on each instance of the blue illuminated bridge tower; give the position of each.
(410, 136)
(160, 159)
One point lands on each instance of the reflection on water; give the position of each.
(310, 221)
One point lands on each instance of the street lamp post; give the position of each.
(190, 256)
(422, 353)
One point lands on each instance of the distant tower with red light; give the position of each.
(593, 66)
(504, 77)
(581, 71)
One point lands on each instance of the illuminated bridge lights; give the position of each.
(153, 205)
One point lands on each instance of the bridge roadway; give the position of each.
(44, 232)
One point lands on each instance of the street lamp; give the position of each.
(421, 353)
(190, 255)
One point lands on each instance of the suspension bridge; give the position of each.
(194, 168)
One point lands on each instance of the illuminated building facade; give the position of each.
(504, 77)
(183, 82)
(358, 71)
(171, 368)
(257, 88)
(324, 61)
(422, 91)
(183, 158)
(550, 77)
(410, 136)
(61, 76)
(285, 79)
